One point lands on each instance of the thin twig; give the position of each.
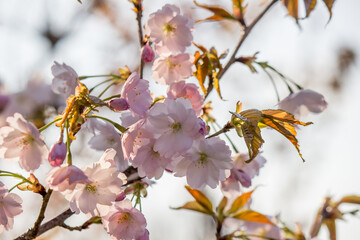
(243, 37)
(225, 129)
(139, 9)
(83, 226)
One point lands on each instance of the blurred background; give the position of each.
(100, 36)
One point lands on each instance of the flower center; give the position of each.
(176, 127)
(124, 217)
(171, 64)
(203, 159)
(168, 28)
(28, 139)
(91, 188)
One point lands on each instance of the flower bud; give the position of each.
(4, 100)
(147, 53)
(203, 128)
(57, 154)
(118, 104)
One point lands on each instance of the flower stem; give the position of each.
(116, 125)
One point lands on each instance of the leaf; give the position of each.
(283, 122)
(219, 13)
(309, 6)
(246, 125)
(201, 199)
(350, 199)
(194, 206)
(292, 7)
(252, 216)
(240, 202)
(216, 84)
(331, 226)
(329, 4)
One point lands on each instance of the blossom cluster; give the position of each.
(159, 135)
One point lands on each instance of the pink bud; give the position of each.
(4, 100)
(57, 154)
(120, 197)
(242, 177)
(203, 129)
(118, 104)
(147, 53)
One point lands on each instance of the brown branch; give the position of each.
(247, 30)
(139, 9)
(85, 225)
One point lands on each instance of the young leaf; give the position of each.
(252, 216)
(240, 202)
(292, 7)
(246, 125)
(201, 199)
(195, 206)
(221, 206)
(329, 4)
(219, 13)
(309, 6)
(283, 122)
(350, 199)
(216, 84)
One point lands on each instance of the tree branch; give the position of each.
(247, 30)
(138, 7)
(225, 129)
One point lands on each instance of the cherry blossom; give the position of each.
(205, 163)
(22, 141)
(170, 30)
(64, 178)
(136, 92)
(105, 136)
(175, 126)
(132, 139)
(125, 222)
(100, 191)
(188, 91)
(10, 206)
(173, 68)
(65, 79)
(303, 102)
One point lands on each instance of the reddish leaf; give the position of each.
(194, 206)
(309, 6)
(201, 199)
(329, 4)
(219, 13)
(350, 199)
(252, 216)
(292, 7)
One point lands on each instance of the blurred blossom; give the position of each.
(65, 79)
(10, 206)
(22, 141)
(4, 100)
(303, 102)
(170, 30)
(147, 53)
(173, 68)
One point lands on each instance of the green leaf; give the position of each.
(252, 216)
(194, 206)
(240, 202)
(201, 199)
(222, 205)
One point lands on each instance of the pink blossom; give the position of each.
(105, 136)
(303, 102)
(10, 206)
(100, 191)
(173, 68)
(149, 162)
(241, 174)
(205, 163)
(188, 91)
(169, 30)
(125, 222)
(132, 139)
(57, 154)
(175, 126)
(203, 128)
(147, 53)
(136, 92)
(65, 79)
(118, 104)
(22, 141)
(65, 178)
